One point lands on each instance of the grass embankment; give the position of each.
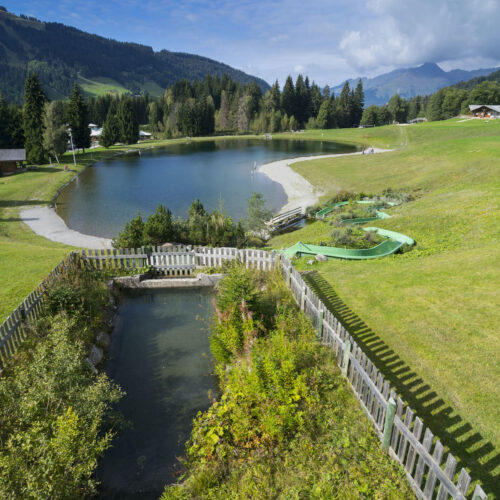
(429, 318)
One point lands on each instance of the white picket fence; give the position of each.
(177, 260)
(401, 435)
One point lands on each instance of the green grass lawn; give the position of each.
(428, 317)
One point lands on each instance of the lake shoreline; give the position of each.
(45, 221)
(299, 191)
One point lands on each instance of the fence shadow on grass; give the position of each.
(468, 446)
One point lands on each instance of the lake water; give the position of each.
(160, 356)
(104, 197)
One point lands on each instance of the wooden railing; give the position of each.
(13, 329)
(403, 435)
(399, 429)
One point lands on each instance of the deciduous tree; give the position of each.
(55, 135)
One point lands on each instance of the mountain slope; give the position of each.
(410, 82)
(61, 55)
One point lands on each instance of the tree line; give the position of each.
(442, 105)
(216, 105)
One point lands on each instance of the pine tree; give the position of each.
(127, 122)
(275, 96)
(288, 97)
(34, 101)
(344, 107)
(301, 101)
(55, 135)
(78, 119)
(316, 99)
(358, 102)
(110, 130)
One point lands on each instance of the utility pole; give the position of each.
(72, 148)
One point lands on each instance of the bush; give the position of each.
(53, 414)
(62, 297)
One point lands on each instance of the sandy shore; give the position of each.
(44, 221)
(299, 191)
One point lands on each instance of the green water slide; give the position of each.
(393, 243)
(321, 214)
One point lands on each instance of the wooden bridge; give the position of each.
(284, 219)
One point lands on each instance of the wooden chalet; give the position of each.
(11, 160)
(485, 110)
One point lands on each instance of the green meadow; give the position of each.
(428, 318)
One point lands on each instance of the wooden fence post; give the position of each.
(388, 424)
(289, 277)
(303, 299)
(345, 357)
(320, 323)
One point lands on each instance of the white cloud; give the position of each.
(415, 31)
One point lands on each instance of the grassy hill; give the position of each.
(61, 55)
(430, 317)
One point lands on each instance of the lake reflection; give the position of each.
(109, 194)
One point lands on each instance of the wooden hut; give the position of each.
(11, 160)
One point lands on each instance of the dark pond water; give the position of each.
(104, 197)
(160, 356)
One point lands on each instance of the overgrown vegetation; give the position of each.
(286, 424)
(54, 411)
(200, 227)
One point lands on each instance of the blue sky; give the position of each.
(329, 40)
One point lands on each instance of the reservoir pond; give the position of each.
(160, 356)
(107, 195)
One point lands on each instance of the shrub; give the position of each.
(53, 414)
(286, 425)
(62, 297)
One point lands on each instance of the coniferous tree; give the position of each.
(344, 107)
(288, 97)
(110, 130)
(358, 103)
(275, 95)
(55, 134)
(316, 99)
(301, 101)
(128, 126)
(79, 119)
(34, 101)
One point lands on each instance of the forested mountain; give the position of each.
(411, 82)
(474, 82)
(61, 55)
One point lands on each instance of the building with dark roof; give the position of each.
(11, 160)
